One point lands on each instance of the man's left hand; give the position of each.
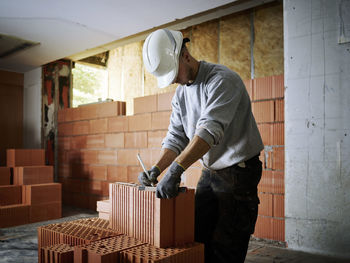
(168, 187)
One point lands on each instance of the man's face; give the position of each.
(184, 72)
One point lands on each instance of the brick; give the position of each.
(263, 111)
(263, 227)
(37, 194)
(61, 115)
(117, 173)
(103, 215)
(279, 110)
(25, 157)
(127, 157)
(143, 216)
(81, 127)
(105, 189)
(64, 143)
(103, 206)
(65, 129)
(59, 253)
(149, 157)
(10, 194)
(110, 109)
(114, 140)
(33, 175)
(278, 158)
(164, 101)
(92, 187)
(97, 172)
(263, 88)
(268, 157)
(98, 126)
(118, 124)
(278, 133)
(192, 176)
(278, 205)
(78, 142)
(5, 175)
(87, 157)
(95, 141)
(88, 112)
(192, 252)
(155, 138)
(14, 215)
(249, 87)
(107, 157)
(278, 229)
(265, 206)
(145, 104)
(266, 183)
(133, 173)
(266, 132)
(135, 139)
(43, 212)
(140, 122)
(63, 170)
(161, 120)
(278, 182)
(278, 86)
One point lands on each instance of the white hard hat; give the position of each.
(161, 52)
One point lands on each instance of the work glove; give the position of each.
(169, 185)
(152, 179)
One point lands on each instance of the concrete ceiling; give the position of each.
(79, 28)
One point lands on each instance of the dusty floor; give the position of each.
(19, 244)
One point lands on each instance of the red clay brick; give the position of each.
(103, 206)
(114, 140)
(88, 157)
(59, 253)
(278, 158)
(14, 215)
(266, 182)
(149, 157)
(110, 109)
(25, 157)
(155, 138)
(78, 142)
(37, 194)
(107, 157)
(97, 172)
(249, 87)
(145, 104)
(263, 88)
(265, 206)
(278, 133)
(135, 139)
(61, 115)
(279, 110)
(118, 124)
(98, 126)
(278, 86)
(266, 132)
(65, 129)
(133, 173)
(81, 127)
(127, 157)
(33, 175)
(278, 205)
(10, 194)
(160, 120)
(263, 111)
(95, 141)
(192, 176)
(117, 173)
(140, 122)
(278, 229)
(263, 227)
(278, 182)
(164, 101)
(64, 143)
(5, 175)
(43, 212)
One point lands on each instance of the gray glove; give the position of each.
(169, 185)
(152, 179)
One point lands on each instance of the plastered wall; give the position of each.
(317, 99)
(227, 40)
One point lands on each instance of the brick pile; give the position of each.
(27, 191)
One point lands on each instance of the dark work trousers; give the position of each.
(226, 210)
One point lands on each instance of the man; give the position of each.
(211, 120)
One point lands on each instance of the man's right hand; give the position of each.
(152, 179)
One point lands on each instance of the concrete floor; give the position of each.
(19, 244)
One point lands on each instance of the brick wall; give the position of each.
(100, 147)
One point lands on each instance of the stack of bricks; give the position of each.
(103, 209)
(267, 95)
(159, 230)
(27, 192)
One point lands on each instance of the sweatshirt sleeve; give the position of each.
(176, 139)
(224, 95)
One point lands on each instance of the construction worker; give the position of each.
(212, 121)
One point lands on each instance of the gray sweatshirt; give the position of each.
(217, 108)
